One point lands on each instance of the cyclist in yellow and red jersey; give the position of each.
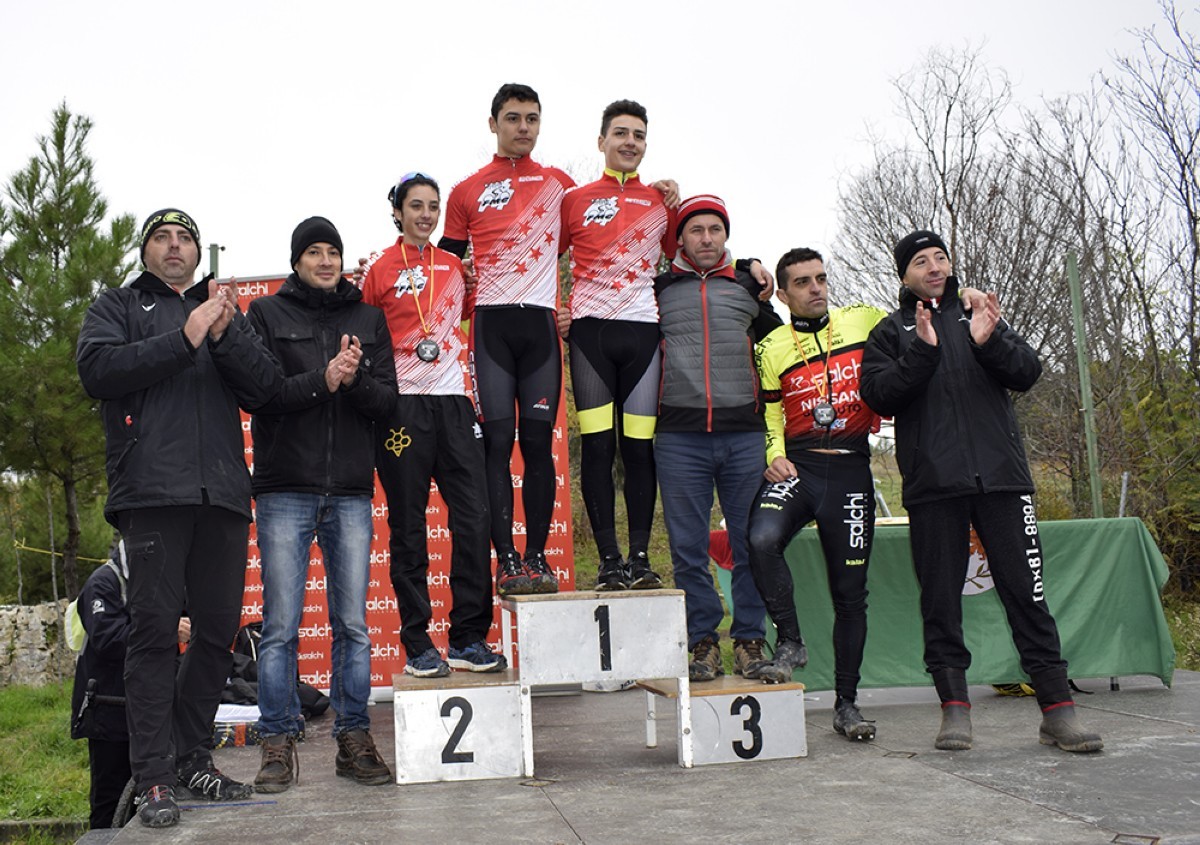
(433, 434)
(617, 230)
(818, 467)
(509, 214)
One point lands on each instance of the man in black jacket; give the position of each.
(171, 361)
(710, 429)
(945, 375)
(314, 473)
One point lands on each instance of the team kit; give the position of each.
(679, 364)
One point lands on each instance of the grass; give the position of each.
(43, 772)
(1183, 618)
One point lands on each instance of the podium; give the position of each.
(587, 636)
(466, 726)
(480, 725)
(733, 719)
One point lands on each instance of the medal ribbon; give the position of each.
(413, 287)
(822, 390)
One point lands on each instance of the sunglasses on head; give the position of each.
(407, 177)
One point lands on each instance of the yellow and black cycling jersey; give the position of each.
(812, 362)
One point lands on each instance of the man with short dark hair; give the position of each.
(710, 427)
(508, 213)
(945, 374)
(314, 475)
(616, 229)
(818, 468)
(171, 361)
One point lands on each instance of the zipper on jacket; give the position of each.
(707, 354)
(331, 414)
(196, 395)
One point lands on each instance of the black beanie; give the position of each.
(911, 244)
(161, 218)
(314, 230)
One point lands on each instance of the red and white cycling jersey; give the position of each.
(436, 310)
(616, 230)
(510, 211)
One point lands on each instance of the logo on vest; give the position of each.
(601, 211)
(496, 195)
(410, 279)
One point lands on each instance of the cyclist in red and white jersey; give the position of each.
(508, 213)
(617, 229)
(433, 434)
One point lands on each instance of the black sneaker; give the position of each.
(200, 780)
(511, 578)
(612, 575)
(849, 722)
(156, 807)
(358, 758)
(641, 576)
(541, 576)
(790, 655)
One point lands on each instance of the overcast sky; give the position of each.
(254, 115)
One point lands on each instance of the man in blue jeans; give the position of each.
(710, 427)
(314, 453)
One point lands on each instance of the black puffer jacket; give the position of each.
(306, 439)
(172, 430)
(956, 429)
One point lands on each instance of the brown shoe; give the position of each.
(748, 660)
(280, 764)
(358, 758)
(706, 661)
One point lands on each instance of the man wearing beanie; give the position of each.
(945, 374)
(314, 474)
(710, 427)
(171, 362)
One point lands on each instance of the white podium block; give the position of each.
(734, 720)
(468, 726)
(592, 636)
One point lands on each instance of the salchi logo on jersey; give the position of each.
(496, 195)
(410, 279)
(601, 210)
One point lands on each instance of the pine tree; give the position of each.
(56, 254)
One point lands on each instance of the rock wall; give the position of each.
(32, 649)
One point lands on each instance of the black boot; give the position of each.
(955, 733)
(1060, 723)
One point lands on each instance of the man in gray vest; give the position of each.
(710, 427)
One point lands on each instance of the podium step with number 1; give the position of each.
(589, 636)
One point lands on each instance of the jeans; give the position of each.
(287, 523)
(690, 464)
